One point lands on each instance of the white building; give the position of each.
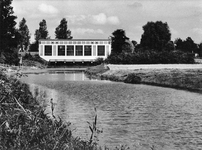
(74, 50)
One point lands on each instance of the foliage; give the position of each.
(94, 130)
(134, 42)
(151, 57)
(169, 46)
(24, 35)
(187, 45)
(99, 61)
(10, 56)
(33, 59)
(8, 33)
(155, 36)
(34, 47)
(128, 47)
(62, 32)
(118, 40)
(42, 32)
(132, 78)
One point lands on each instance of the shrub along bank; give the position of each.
(36, 61)
(151, 57)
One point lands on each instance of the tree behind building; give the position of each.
(156, 35)
(41, 33)
(62, 32)
(118, 41)
(24, 35)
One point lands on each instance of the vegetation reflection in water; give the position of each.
(137, 115)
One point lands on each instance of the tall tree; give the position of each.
(42, 32)
(169, 46)
(8, 32)
(179, 43)
(190, 45)
(62, 32)
(156, 35)
(187, 45)
(135, 45)
(118, 41)
(24, 35)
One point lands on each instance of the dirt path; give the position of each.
(155, 66)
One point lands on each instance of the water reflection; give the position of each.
(66, 107)
(137, 115)
(68, 76)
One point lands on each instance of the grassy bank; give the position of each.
(188, 79)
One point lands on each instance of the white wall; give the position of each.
(73, 58)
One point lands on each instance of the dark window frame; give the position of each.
(87, 50)
(61, 52)
(79, 52)
(48, 50)
(69, 51)
(101, 50)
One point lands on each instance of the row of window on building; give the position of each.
(74, 50)
(74, 42)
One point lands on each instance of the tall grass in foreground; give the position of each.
(25, 126)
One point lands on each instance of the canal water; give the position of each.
(140, 116)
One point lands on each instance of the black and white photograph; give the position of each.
(100, 74)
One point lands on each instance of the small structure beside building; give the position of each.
(74, 50)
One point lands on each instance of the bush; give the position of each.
(28, 56)
(132, 78)
(151, 57)
(36, 60)
(99, 61)
(10, 56)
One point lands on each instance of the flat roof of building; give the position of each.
(74, 40)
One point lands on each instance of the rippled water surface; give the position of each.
(140, 116)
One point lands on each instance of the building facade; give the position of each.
(74, 50)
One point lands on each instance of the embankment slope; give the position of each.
(188, 77)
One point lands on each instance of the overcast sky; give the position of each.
(99, 18)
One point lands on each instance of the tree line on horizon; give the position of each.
(156, 36)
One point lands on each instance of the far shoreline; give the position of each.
(184, 78)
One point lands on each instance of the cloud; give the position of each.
(197, 30)
(76, 19)
(104, 19)
(113, 20)
(48, 9)
(135, 5)
(100, 19)
(87, 31)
